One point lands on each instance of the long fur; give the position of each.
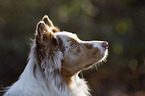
(32, 81)
(54, 63)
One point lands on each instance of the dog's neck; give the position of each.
(51, 80)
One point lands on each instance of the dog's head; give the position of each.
(64, 51)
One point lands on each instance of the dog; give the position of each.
(56, 58)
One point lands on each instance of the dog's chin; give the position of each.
(88, 66)
(103, 59)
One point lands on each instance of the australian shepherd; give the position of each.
(56, 58)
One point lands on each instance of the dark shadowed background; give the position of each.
(120, 22)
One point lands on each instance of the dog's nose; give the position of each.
(105, 44)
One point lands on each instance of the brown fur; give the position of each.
(78, 55)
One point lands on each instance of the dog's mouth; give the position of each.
(88, 66)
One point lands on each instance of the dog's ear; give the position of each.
(50, 24)
(46, 41)
(47, 20)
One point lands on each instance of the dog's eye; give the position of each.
(74, 44)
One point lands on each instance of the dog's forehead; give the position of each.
(67, 36)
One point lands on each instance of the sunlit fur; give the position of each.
(55, 61)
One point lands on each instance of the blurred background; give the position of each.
(120, 22)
